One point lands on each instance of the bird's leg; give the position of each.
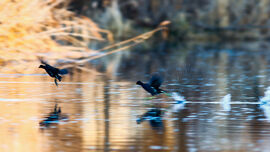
(58, 77)
(167, 94)
(150, 98)
(55, 81)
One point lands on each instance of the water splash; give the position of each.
(264, 103)
(265, 100)
(176, 96)
(226, 102)
(180, 102)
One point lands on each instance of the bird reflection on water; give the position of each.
(54, 117)
(154, 116)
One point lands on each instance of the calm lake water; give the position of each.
(104, 106)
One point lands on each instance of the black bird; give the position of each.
(153, 85)
(53, 72)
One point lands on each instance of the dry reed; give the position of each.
(46, 28)
(30, 29)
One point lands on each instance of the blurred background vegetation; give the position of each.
(191, 19)
(68, 30)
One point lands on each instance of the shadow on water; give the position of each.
(103, 106)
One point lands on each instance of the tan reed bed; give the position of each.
(30, 29)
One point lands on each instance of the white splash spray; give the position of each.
(180, 102)
(226, 102)
(265, 100)
(265, 103)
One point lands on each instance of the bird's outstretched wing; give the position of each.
(155, 81)
(63, 71)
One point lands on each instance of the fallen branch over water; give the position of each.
(114, 48)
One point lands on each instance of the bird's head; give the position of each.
(139, 83)
(41, 66)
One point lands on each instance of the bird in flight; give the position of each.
(53, 72)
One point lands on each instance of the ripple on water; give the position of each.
(154, 147)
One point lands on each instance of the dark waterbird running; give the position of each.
(53, 72)
(153, 85)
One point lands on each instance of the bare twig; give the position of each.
(124, 45)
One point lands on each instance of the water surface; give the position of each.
(103, 107)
